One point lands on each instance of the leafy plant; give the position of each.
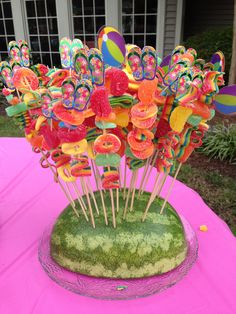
(211, 40)
(220, 142)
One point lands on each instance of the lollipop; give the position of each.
(112, 46)
(225, 101)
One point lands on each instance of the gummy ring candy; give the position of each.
(107, 143)
(142, 111)
(139, 141)
(78, 164)
(59, 158)
(74, 148)
(110, 178)
(70, 116)
(65, 173)
(144, 154)
(146, 90)
(25, 78)
(144, 124)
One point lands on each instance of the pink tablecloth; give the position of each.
(29, 200)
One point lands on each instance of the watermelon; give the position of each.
(134, 249)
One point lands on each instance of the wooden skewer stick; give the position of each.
(127, 197)
(125, 174)
(134, 189)
(170, 188)
(104, 207)
(117, 200)
(152, 196)
(81, 197)
(60, 184)
(95, 174)
(94, 167)
(150, 171)
(143, 176)
(90, 189)
(79, 200)
(88, 201)
(113, 209)
(68, 191)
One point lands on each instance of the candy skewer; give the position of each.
(88, 201)
(60, 184)
(170, 188)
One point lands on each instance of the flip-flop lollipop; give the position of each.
(96, 66)
(149, 62)
(135, 62)
(7, 75)
(81, 64)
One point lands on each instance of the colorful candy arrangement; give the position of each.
(118, 101)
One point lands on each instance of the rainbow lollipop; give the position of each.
(112, 46)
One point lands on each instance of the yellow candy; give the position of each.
(179, 117)
(74, 148)
(122, 117)
(203, 228)
(39, 121)
(64, 173)
(90, 151)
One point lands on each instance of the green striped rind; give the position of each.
(132, 250)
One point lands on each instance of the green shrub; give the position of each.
(220, 142)
(211, 40)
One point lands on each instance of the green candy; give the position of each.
(17, 109)
(105, 125)
(194, 120)
(107, 160)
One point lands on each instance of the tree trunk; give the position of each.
(232, 73)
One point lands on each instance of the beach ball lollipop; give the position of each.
(112, 46)
(225, 101)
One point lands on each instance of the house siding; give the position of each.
(170, 26)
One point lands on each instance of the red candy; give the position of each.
(116, 81)
(50, 137)
(70, 136)
(100, 103)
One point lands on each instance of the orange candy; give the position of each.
(25, 78)
(107, 144)
(146, 90)
(70, 116)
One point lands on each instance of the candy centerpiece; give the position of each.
(117, 101)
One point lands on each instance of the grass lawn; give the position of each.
(217, 190)
(8, 128)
